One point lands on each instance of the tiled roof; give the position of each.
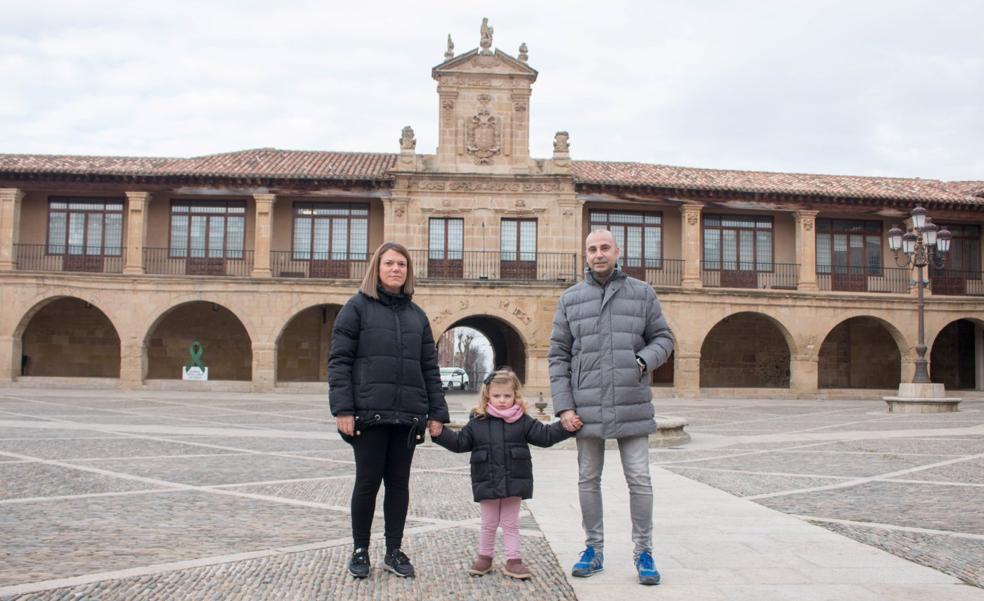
(689, 178)
(256, 163)
(271, 163)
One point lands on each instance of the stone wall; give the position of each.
(745, 350)
(70, 338)
(302, 352)
(859, 353)
(228, 352)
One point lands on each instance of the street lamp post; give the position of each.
(923, 244)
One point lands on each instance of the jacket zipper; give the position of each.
(399, 352)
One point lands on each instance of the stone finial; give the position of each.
(561, 144)
(486, 40)
(524, 52)
(449, 53)
(407, 141)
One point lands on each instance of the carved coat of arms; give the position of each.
(483, 137)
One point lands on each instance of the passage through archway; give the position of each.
(957, 357)
(304, 345)
(228, 352)
(745, 350)
(69, 337)
(507, 345)
(859, 352)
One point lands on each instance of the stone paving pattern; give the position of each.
(245, 496)
(929, 515)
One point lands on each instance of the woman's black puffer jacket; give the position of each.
(383, 365)
(501, 464)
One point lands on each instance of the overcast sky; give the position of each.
(856, 87)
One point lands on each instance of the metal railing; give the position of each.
(42, 257)
(286, 264)
(733, 274)
(668, 273)
(952, 282)
(477, 265)
(159, 261)
(862, 278)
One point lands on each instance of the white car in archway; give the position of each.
(453, 378)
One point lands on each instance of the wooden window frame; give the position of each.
(754, 229)
(349, 218)
(226, 204)
(831, 231)
(102, 213)
(607, 224)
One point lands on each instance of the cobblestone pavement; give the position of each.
(168, 495)
(152, 495)
(912, 485)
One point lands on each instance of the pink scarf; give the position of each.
(507, 415)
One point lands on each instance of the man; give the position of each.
(608, 335)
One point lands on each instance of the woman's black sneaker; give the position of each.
(359, 564)
(397, 562)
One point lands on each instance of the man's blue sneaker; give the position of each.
(591, 563)
(648, 574)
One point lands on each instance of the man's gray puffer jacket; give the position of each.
(597, 333)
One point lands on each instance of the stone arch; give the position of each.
(303, 344)
(956, 355)
(509, 345)
(224, 336)
(66, 336)
(860, 352)
(746, 349)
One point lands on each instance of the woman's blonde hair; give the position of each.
(503, 375)
(371, 280)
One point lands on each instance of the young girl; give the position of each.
(498, 436)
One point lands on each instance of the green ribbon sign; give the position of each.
(196, 350)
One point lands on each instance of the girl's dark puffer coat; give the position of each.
(501, 465)
(383, 364)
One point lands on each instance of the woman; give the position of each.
(384, 386)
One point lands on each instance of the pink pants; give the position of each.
(496, 512)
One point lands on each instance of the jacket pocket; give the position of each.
(480, 465)
(521, 462)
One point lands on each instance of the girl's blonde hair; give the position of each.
(503, 375)
(371, 280)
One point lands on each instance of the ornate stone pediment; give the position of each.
(475, 63)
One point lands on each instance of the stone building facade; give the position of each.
(110, 267)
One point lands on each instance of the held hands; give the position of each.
(345, 424)
(570, 421)
(434, 427)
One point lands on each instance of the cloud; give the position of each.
(880, 88)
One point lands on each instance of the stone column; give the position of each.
(264, 366)
(690, 245)
(10, 206)
(686, 373)
(133, 363)
(137, 204)
(264, 232)
(10, 358)
(803, 373)
(806, 251)
(979, 356)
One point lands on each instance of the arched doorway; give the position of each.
(228, 352)
(957, 357)
(68, 337)
(859, 352)
(745, 350)
(304, 345)
(508, 347)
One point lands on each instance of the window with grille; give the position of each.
(849, 246)
(517, 239)
(446, 240)
(207, 229)
(85, 226)
(738, 243)
(639, 236)
(331, 231)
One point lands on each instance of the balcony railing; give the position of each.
(733, 274)
(659, 272)
(286, 264)
(478, 265)
(160, 261)
(951, 282)
(37, 257)
(862, 278)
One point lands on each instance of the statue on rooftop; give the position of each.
(486, 41)
(524, 52)
(449, 53)
(407, 141)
